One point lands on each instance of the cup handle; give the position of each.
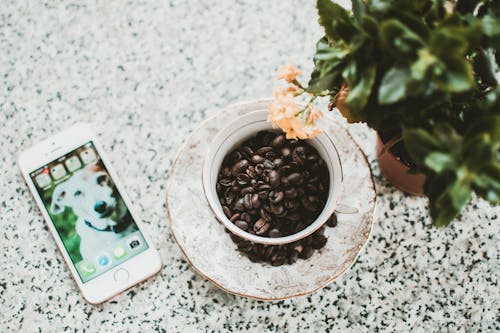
(344, 209)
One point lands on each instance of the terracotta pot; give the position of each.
(396, 171)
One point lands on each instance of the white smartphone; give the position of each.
(87, 211)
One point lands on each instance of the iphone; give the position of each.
(88, 213)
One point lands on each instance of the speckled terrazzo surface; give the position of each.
(146, 74)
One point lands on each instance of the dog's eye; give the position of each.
(101, 179)
(77, 193)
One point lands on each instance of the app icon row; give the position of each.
(87, 268)
(72, 164)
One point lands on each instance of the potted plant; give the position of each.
(423, 74)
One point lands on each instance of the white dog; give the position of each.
(102, 216)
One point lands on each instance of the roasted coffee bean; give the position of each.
(245, 246)
(299, 155)
(278, 141)
(226, 182)
(255, 200)
(276, 196)
(291, 192)
(227, 211)
(263, 150)
(261, 226)
(292, 257)
(306, 253)
(273, 178)
(318, 241)
(247, 151)
(235, 217)
(243, 225)
(332, 221)
(274, 233)
(278, 259)
(246, 217)
(252, 172)
(277, 209)
(268, 164)
(247, 201)
(246, 190)
(239, 205)
(295, 178)
(239, 167)
(265, 215)
(286, 152)
(256, 159)
(278, 162)
(291, 205)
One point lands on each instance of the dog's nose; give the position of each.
(100, 207)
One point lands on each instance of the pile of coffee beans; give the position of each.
(278, 255)
(273, 187)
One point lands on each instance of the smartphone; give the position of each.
(88, 213)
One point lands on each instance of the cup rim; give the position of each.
(213, 198)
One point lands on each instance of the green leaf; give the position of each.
(336, 21)
(358, 9)
(393, 86)
(438, 161)
(419, 143)
(456, 77)
(361, 91)
(399, 41)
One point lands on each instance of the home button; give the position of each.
(121, 275)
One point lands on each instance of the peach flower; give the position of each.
(288, 73)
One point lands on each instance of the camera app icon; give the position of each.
(73, 163)
(58, 171)
(134, 243)
(88, 156)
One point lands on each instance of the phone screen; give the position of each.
(88, 212)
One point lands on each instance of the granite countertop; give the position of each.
(145, 74)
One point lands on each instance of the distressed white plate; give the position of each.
(210, 251)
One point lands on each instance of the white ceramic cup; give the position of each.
(243, 128)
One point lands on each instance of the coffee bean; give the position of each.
(246, 217)
(245, 246)
(263, 150)
(276, 196)
(268, 164)
(299, 155)
(243, 225)
(318, 241)
(255, 200)
(273, 178)
(332, 221)
(265, 215)
(256, 159)
(235, 217)
(246, 190)
(292, 257)
(239, 167)
(227, 211)
(277, 209)
(295, 178)
(261, 226)
(274, 233)
(278, 141)
(307, 252)
(286, 152)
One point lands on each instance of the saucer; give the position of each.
(209, 249)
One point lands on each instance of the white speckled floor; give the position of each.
(146, 74)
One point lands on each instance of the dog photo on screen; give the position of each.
(87, 209)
